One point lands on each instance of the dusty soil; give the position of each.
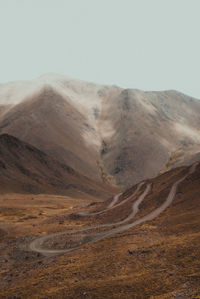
(157, 259)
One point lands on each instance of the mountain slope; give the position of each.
(105, 132)
(150, 127)
(159, 258)
(53, 125)
(24, 168)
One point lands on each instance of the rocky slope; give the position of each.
(104, 132)
(25, 169)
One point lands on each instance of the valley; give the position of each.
(57, 266)
(99, 191)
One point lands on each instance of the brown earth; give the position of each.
(25, 169)
(157, 259)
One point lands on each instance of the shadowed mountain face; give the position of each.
(105, 133)
(24, 168)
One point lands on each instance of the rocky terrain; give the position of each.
(99, 191)
(157, 258)
(25, 169)
(107, 133)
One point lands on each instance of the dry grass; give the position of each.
(159, 259)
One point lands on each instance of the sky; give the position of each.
(144, 44)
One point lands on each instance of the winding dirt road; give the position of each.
(113, 203)
(37, 244)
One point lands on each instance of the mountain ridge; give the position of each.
(119, 136)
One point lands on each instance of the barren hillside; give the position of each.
(71, 254)
(104, 132)
(25, 169)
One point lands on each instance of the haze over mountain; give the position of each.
(107, 133)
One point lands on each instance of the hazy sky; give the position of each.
(145, 44)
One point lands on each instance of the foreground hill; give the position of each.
(105, 132)
(155, 258)
(25, 169)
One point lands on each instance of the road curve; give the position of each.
(36, 245)
(157, 211)
(113, 204)
(114, 201)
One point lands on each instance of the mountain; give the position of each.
(106, 133)
(25, 169)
